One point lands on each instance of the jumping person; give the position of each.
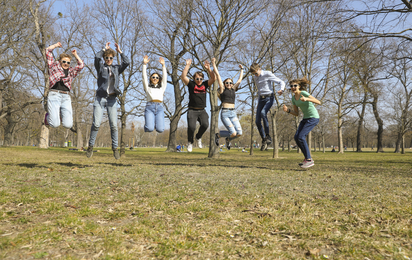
(107, 91)
(61, 75)
(303, 100)
(227, 94)
(263, 80)
(197, 102)
(154, 113)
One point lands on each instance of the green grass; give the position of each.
(57, 203)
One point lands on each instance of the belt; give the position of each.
(155, 101)
(228, 108)
(267, 95)
(112, 94)
(60, 91)
(197, 109)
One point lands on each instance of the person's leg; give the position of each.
(225, 116)
(98, 106)
(191, 124)
(149, 117)
(203, 119)
(259, 108)
(264, 113)
(112, 114)
(54, 101)
(235, 121)
(66, 111)
(160, 118)
(305, 126)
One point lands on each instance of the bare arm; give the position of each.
(237, 84)
(144, 73)
(219, 79)
(184, 77)
(164, 73)
(211, 74)
(311, 99)
(294, 112)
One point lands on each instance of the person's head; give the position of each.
(255, 69)
(299, 84)
(155, 78)
(228, 83)
(198, 78)
(64, 60)
(108, 56)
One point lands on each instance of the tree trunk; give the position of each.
(44, 137)
(123, 125)
(403, 144)
(379, 121)
(398, 142)
(174, 121)
(275, 135)
(214, 120)
(360, 125)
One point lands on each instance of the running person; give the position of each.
(154, 112)
(197, 103)
(61, 75)
(263, 80)
(303, 100)
(227, 94)
(107, 91)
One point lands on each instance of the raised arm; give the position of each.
(125, 60)
(164, 73)
(211, 74)
(98, 58)
(144, 76)
(49, 51)
(219, 79)
(184, 77)
(237, 84)
(79, 65)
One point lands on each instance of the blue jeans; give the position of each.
(231, 123)
(99, 104)
(59, 104)
(262, 110)
(154, 116)
(305, 126)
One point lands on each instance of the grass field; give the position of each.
(150, 204)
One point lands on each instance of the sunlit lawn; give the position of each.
(57, 203)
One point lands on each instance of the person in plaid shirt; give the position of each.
(61, 76)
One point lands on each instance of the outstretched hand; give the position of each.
(214, 61)
(207, 65)
(162, 61)
(241, 66)
(146, 59)
(188, 62)
(280, 92)
(107, 45)
(117, 47)
(285, 108)
(74, 52)
(59, 45)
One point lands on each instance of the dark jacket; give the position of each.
(103, 74)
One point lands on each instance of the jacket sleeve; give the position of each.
(98, 60)
(125, 63)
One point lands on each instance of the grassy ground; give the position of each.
(154, 205)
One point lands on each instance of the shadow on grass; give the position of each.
(27, 165)
(115, 164)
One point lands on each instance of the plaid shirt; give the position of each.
(56, 72)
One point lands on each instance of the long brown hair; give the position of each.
(303, 83)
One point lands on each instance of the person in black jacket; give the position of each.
(107, 91)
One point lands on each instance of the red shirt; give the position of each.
(56, 72)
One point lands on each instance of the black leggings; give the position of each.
(194, 115)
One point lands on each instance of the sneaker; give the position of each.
(116, 154)
(217, 139)
(89, 152)
(45, 118)
(199, 143)
(227, 143)
(307, 164)
(189, 148)
(300, 164)
(268, 140)
(264, 146)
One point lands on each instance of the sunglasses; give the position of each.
(154, 77)
(228, 83)
(294, 86)
(64, 62)
(199, 78)
(108, 58)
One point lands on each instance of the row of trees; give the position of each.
(355, 71)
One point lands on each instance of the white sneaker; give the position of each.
(189, 148)
(199, 143)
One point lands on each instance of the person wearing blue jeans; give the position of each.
(107, 91)
(155, 89)
(227, 94)
(303, 100)
(263, 81)
(61, 75)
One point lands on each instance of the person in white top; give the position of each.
(155, 89)
(263, 81)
